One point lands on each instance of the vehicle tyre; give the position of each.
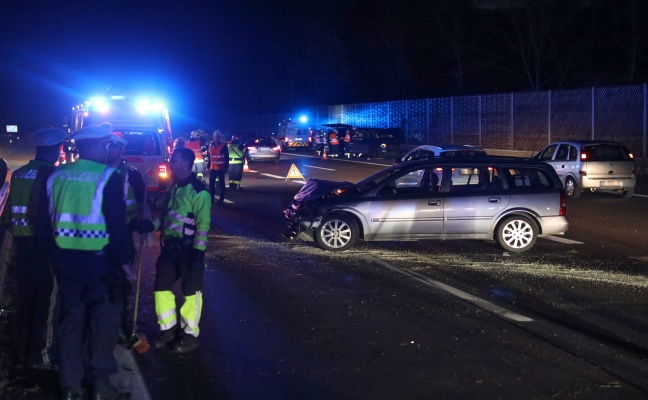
(628, 193)
(516, 234)
(337, 232)
(572, 189)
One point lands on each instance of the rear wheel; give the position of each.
(337, 232)
(571, 188)
(517, 234)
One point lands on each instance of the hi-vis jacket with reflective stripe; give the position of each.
(20, 196)
(218, 156)
(189, 212)
(236, 153)
(75, 194)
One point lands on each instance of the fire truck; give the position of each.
(293, 135)
(144, 124)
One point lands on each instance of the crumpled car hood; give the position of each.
(314, 189)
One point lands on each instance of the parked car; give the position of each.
(263, 149)
(452, 150)
(594, 165)
(509, 200)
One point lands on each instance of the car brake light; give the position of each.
(162, 171)
(584, 173)
(286, 139)
(631, 155)
(584, 156)
(563, 203)
(252, 148)
(276, 148)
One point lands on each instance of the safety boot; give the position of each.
(165, 338)
(187, 343)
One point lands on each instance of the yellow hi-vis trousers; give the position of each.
(165, 308)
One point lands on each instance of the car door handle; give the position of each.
(434, 203)
(494, 200)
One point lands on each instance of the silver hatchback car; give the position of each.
(593, 165)
(509, 200)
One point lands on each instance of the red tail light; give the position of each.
(276, 148)
(563, 203)
(286, 139)
(162, 171)
(252, 148)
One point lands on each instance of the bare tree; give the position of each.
(539, 40)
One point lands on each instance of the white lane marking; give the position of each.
(342, 159)
(486, 305)
(640, 195)
(128, 377)
(312, 166)
(561, 240)
(640, 258)
(273, 176)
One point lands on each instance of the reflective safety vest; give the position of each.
(333, 141)
(189, 213)
(129, 193)
(347, 137)
(216, 158)
(75, 193)
(236, 154)
(194, 145)
(20, 196)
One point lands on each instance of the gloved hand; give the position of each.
(197, 259)
(141, 225)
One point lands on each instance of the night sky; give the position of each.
(213, 61)
(199, 56)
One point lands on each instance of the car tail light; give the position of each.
(252, 148)
(276, 148)
(584, 156)
(631, 156)
(162, 171)
(563, 203)
(584, 173)
(286, 139)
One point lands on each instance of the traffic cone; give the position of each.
(324, 157)
(245, 166)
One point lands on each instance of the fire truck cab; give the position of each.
(146, 127)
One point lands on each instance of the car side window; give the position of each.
(528, 178)
(475, 179)
(573, 153)
(562, 153)
(547, 154)
(412, 182)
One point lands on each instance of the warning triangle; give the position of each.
(294, 173)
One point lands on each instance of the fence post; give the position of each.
(480, 121)
(512, 141)
(593, 116)
(549, 117)
(452, 120)
(644, 123)
(427, 118)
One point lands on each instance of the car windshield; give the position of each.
(378, 178)
(141, 143)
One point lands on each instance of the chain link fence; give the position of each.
(513, 121)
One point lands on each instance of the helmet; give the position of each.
(195, 134)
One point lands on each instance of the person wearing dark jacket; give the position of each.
(35, 323)
(83, 221)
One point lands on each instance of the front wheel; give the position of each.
(517, 234)
(337, 232)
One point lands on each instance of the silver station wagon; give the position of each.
(593, 165)
(509, 200)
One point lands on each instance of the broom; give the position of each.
(138, 340)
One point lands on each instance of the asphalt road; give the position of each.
(408, 320)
